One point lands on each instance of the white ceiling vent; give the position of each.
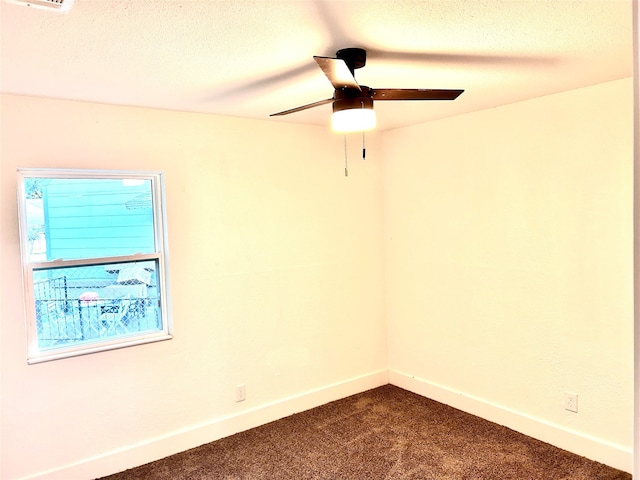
(62, 6)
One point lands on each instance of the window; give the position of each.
(94, 260)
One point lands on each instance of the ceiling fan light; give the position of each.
(353, 120)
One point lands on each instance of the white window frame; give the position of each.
(34, 353)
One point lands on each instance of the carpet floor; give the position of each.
(382, 434)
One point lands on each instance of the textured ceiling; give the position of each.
(252, 58)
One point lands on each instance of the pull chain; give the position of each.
(364, 149)
(346, 164)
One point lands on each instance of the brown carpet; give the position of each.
(384, 433)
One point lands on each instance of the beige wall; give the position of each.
(509, 259)
(276, 282)
(504, 239)
(636, 106)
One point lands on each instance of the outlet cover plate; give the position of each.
(241, 393)
(571, 402)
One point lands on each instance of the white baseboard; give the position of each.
(575, 442)
(195, 435)
(177, 441)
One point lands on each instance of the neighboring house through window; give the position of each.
(94, 256)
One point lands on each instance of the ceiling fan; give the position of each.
(353, 103)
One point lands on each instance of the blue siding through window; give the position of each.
(89, 218)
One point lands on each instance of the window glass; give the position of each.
(94, 260)
(71, 218)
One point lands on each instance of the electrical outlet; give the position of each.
(571, 402)
(241, 393)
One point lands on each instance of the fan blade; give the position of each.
(303, 107)
(414, 94)
(337, 72)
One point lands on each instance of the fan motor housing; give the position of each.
(350, 98)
